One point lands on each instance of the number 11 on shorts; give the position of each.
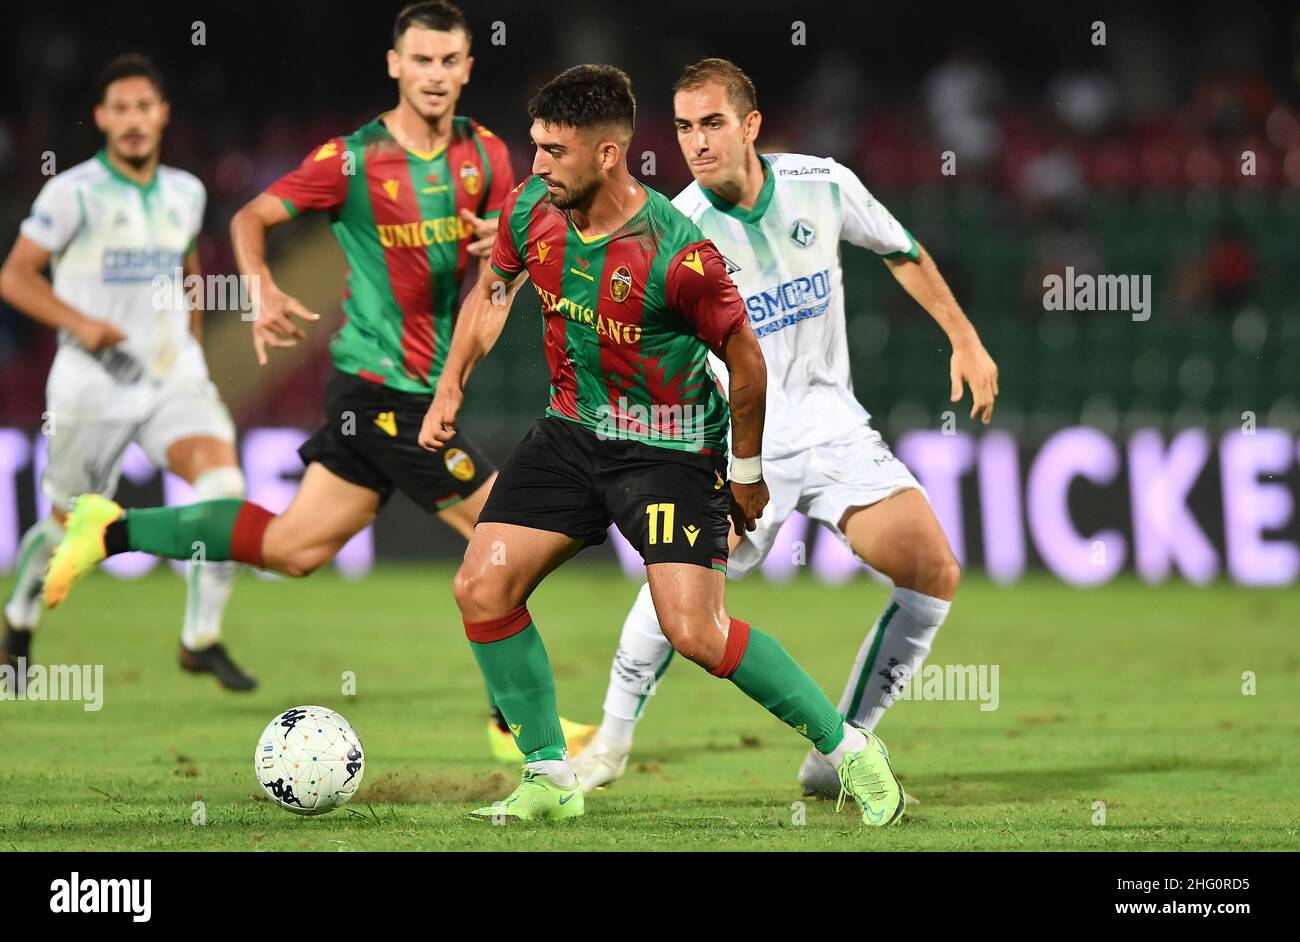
(653, 511)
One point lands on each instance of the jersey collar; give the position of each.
(425, 155)
(597, 239)
(734, 210)
(144, 188)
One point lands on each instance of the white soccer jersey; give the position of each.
(109, 237)
(784, 256)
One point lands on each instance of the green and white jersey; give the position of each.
(784, 257)
(109, 237)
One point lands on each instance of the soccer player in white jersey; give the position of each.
(129, 367)
(778, 220)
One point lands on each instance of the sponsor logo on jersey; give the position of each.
(694, 262)
(120, 218)
(516, 728)
(435, 184)
(802, 171)
(789, 302)
(459, 464)
(139, 265)
(388, 422)
(543, 250)
(732, 267)
(470, 178)
(583, 263)
(327, 151)
(422, 233)
(605, 326)
(390, 187)
(802, 233)
(620, 283)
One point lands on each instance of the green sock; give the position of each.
(171, 532)
(521, 684)
(769, 675)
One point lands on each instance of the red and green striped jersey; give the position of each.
(629, 318)
(396, 215)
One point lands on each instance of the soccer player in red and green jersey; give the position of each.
(412, 196)
(634, 298)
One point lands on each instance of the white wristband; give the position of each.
(747, 470)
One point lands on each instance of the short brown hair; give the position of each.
(436, 15)
(131, 65)
(740, 90)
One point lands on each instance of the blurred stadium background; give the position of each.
(1122, 158)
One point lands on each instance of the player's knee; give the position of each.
(477, 596)
(938, 572)
(302, 562)
(696, 638)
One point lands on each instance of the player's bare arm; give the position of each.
(747, 399)
(273, 325)
(192, 267)
(23, 284)
(478, 326)
(971, 363)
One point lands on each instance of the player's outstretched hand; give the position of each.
(747, 503)
(273, 326)
(439, 426)
(485, 233)
(972, 365)
(94, 334)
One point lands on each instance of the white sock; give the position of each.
(209, 582)
(895, 647)
(23, 610)
(558, 771)
(642, 657)
(853, 741)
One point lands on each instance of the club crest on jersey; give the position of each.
(470, 178)
(620, 283)
(459, 464)
(802, 233)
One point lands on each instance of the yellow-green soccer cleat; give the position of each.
(536, 798)
(576, 736)
(82, 548)
(869, 778)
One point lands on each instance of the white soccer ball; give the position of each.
(309, 760)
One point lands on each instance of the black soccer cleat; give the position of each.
(215, 661)
(17, 644)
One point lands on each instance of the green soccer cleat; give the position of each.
(869, 778)
(537, 797)
(82, 548)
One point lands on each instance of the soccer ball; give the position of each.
(309, 760)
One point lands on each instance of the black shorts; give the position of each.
(371, 438)
(671, 506)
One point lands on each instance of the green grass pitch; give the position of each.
(1128, 695)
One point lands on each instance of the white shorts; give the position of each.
(86, 446)
(856, 469)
